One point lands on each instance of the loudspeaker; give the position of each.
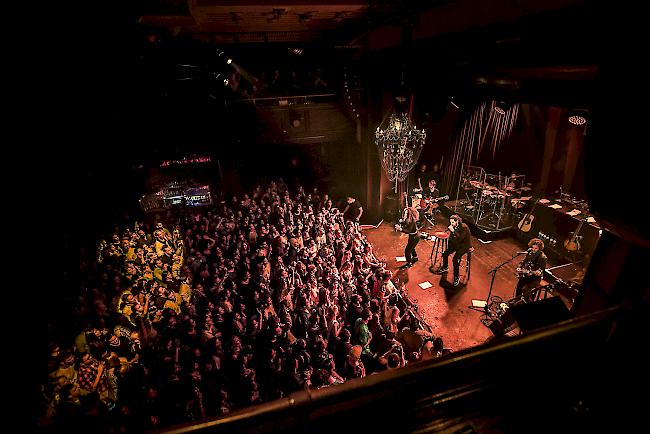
(531, 316)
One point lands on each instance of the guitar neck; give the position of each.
(575, 234)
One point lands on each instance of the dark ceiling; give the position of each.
(515, 46)
(542, 51)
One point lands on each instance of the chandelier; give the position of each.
(399, 146)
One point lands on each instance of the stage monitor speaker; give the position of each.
(531, 316)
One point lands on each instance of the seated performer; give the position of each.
(530, 270)
(428, 205)
(460, 242)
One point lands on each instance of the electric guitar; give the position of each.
(526, 223)
(572, 244)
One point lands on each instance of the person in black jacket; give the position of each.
(409, 226)
(460, 243)
(530, 270)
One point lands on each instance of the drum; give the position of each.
(416, 200)
(476, 184)
(518, 203)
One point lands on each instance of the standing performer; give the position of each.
(409, 226)
(530, 270)
(460, 242)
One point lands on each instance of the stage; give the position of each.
(443, 307)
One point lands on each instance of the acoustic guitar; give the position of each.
(572, 244)
(525, 272)
(432, 202)
(526, 222)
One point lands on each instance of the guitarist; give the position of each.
(531, 268)
(430, 206)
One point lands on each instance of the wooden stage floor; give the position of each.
(444, 308)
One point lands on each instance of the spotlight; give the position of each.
(578, 117)
(226, 81)
(501, 107)
(229, 61)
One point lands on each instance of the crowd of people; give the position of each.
(227, 306)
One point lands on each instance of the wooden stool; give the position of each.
(440, 244)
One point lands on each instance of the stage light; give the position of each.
(226, 81)
(501, 107)
(229, 61)
(578, 117)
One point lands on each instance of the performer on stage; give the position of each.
(409, 226)
(530, 270)
(422, 177)
(429, 207)
(460, 243)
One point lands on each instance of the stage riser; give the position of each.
(549, 225)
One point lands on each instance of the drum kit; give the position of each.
(491, 200)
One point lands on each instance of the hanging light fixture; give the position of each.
(399, 144)
(501, 107)
(578, 117)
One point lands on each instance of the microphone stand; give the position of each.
(482, 306)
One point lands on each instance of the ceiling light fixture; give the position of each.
(578, 117)
(501, 107)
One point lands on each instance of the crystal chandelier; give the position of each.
(399, 146)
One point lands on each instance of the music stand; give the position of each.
(482, 306)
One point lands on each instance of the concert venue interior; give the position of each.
(218, 277)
